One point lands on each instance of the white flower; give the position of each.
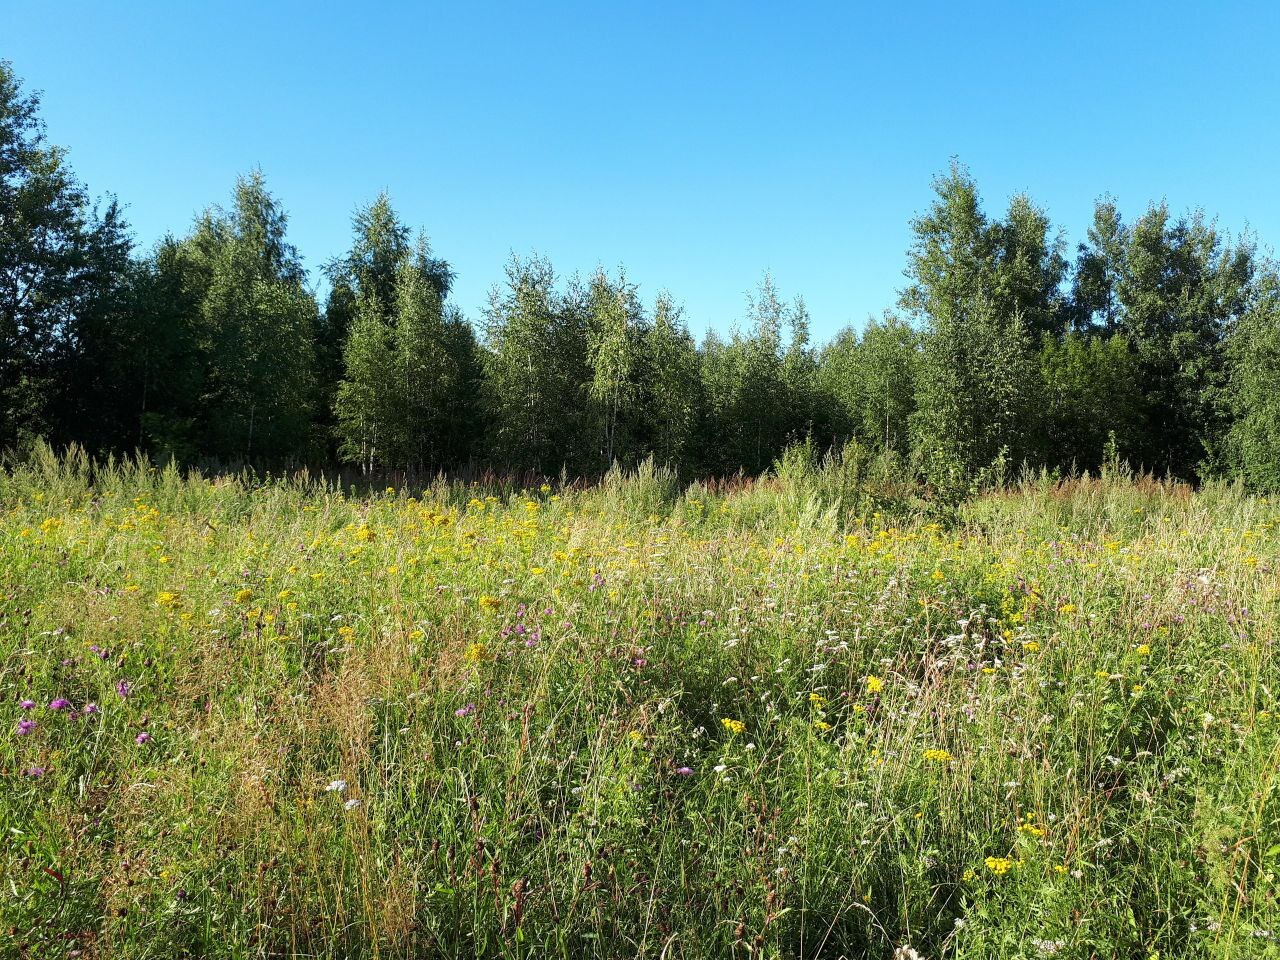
(351, 804)
(336, 786)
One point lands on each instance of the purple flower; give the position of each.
(466, 711)
(25, 727)
(28, 704)
(123, 687)
(33, 772)
(143, 737)
(61, 703)
(89, 708)
(685, 771)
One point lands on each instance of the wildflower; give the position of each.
(351, 804)
(466, 711)
(244, 595)
(336, 786)
(999, 865)
(33, 772)
(124, 687)
(821, 725)
(489, 603)
(817, 699)
(938, 756)
(166, 598)
(874, 684)
(476, 652)
(59, 703)
(733, 726)
(1031, 830)
(28, 704)
(684, 771)
(1143, 649)
(346, 633)
(1067, 608)
(142, 738)
(25, 726)
(89, 708)
(1031, 646)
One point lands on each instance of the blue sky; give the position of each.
(697, 143)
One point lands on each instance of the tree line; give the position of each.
(1156, 342)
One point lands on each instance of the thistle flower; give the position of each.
(28, 704)
(25, 727)
(60, 703)
(124, 687)
(142, 738)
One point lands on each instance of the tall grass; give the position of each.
(797, 717)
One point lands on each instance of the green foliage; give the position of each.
(1153, 348)
(1253, 349)
(409, 396)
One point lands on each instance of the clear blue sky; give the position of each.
(697, 143)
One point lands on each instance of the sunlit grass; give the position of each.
(273, 719)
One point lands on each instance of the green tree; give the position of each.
(671, 387)
(977, 384)
(408, 394)
(257, 323)
(1253, 351)
(64, 276)
(537, 374)
(1092, 399)
(615, 331)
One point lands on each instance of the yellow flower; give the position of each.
(938, 756)
(817, 699)
(1143, 649)
(1030, 829)
(1067, 608)
(244, 595)
(874, 684)
(733, 726)
(476, 652)
(167, 598)
(999, 865)
(1030, 646)
(489, 603)
(822, 725)
(346, 633)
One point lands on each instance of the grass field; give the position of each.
(248, 719)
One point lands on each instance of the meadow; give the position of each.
(781, 718)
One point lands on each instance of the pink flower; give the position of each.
(25, 727)
(28, 704)
(143, 737)
(123, 687)
(61, 703)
